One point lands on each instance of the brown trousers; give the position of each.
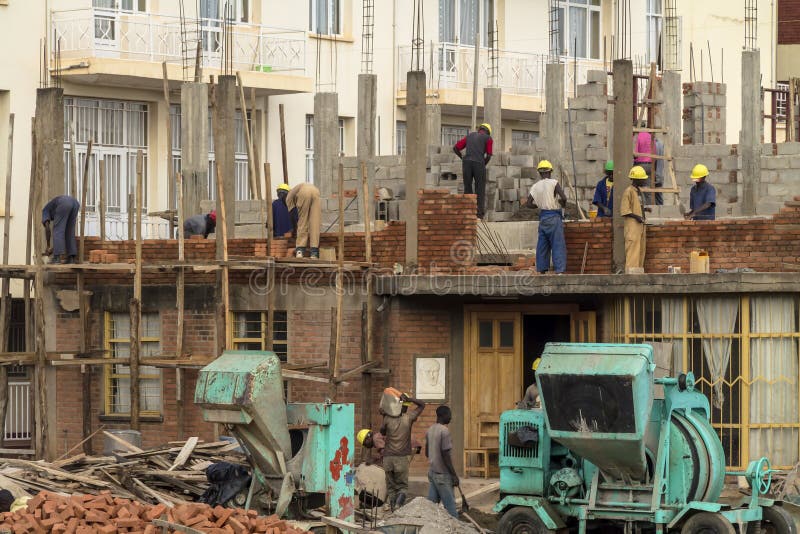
(309, 216)
(634, 243)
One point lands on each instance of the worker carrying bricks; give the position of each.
(702, 196)
(281, 219)
(62, 213)
(306, 210)
(549, 197)
(478, 153)
(200, 224)
(397, 451)
(604, 192)
(633, 213)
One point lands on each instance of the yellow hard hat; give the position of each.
(283, 187)
(544, 165)
(637, 173)
(536, 363)
(486, 126)
(362, 435)
(699, 171)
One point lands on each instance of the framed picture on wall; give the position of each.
(430, 377)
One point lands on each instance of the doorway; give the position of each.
(538, 330)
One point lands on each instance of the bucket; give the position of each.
(593, 213)
(699, 262)
(391, 403)
(134, 437)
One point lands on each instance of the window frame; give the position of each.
(309, 142)
(565, 44)
(456, 22)
(331, 27)
(278, 316)
(654, 17)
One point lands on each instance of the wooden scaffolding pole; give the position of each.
(26, 287)
(252, 171)
(257, 164)
(136, 301)
(168, 124)
(180, 305)
(339, 277)
(367, 312)
(283, 145)
(40, 358)
(86, 371)
(5, 301)
(271, 274)
(101, 202)
(224, 282)
(791, 111)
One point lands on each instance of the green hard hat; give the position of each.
(610, 165)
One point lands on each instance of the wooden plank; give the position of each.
(339, 277)
(251, 167)
(130, 447)
(283, 145)
(101, 202)
(60, 473)
(225, 280)
(299, 375)
(136, 302)
(259, 194)
(357, 371)
(168, 124)
(73, 161)
(652, 156)
(186, 451)
(84, 183)
(84, 440)
(5, 299)
(790, 112)
(270, 333)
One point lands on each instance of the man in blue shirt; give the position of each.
(61, 212)
(281, 219)
(603, 193)
(702, 196)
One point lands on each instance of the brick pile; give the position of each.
(447, 231)
(105, 514)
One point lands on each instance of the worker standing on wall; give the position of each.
(281, 219)
(702, 196)
(603, 192)
(633, 212)
(479, 152)
(549, 197)
(442, 475)
(306, 219)
(62, 212)
(397, 452)
(531, 398)
(200, 225)
(643, 144)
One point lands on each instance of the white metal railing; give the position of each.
(117, 226)
(96, 32)
(19, 416)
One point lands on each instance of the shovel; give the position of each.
(465, 508)
(464, 503)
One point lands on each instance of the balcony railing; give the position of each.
(94, 32)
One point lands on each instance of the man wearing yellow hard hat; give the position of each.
(281, 218)
(549, 197)
(479, 152)
(531, 398)
(633, 215)
(702, 196)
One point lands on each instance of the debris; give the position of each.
(432, 518)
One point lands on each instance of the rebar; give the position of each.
(367, 34)
(418, 37)
(554, 30)
(671, 44)
(751, 25)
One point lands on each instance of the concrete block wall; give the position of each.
(704, 110)
(589, 124)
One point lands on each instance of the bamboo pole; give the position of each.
(180, 304)
(101, 202)
(283, 145)
(251, 166)
(5, 301)
(225, 268)
(168, 122)
(136, 302)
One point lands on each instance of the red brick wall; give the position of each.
(447, 231)
(788, 17)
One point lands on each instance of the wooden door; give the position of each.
(493, 369)
(583, 327)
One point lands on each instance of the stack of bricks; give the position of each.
(106, 514)
(704, 113)
(447, 231)
(597, 235)
(388, 244)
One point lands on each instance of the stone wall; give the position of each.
(704, 113)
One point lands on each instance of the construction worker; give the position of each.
(702, 196)
(441, 473)
(397, 452)
(479, 152)
(306, 217)
(603, 192)
(658, 167)
(375, 442)
(643, 144)
(281, 219)
(633, 212)
(531, 398)
(200, 225)
(549, 197)
(62, 212)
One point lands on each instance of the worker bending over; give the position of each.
(281, 219)
(633, 212)
(304, 205)
(397, 452)
(479, 152)
(62, 212)
(604, 193)
(376, 443)
(441, 473)
(549, 197)
(702, 196)
(200, 225)
(531, 398)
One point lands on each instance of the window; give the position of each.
(457, 21)
(133, 5)
(655, 22)
(452, 134)
(310, 146)
(579, 23)
(118, 130)
(211, 14)
(401, 138)
(523, 139)
(250, 332)
(118, 377)
(324, 17)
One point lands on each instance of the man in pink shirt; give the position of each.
(643, 144)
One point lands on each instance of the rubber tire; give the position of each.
(707, 523)
(521, 520)
(775, 520)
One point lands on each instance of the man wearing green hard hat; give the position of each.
(603, 192)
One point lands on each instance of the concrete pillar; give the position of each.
(194, 146)
(493, 114)
(49, 126)
(750, 136)
(623, 152)
(416, 156)
(434, 116)
(555, 115)
(367, 102)
(224, 138)
(326, 141)
(672, 108)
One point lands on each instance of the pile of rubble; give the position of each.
(429, 517)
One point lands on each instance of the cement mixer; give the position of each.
(301, 454)
(604, 454)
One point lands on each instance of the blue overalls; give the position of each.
(551, 240)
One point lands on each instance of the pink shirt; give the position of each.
(643, 145)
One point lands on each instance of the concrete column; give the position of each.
(416, 156)
(367, 103)
(224, 138)
(555, 115)
(194, 146)
(672, 109)
(49, 126)
(623, 152)
(434, 116)
(326, 141)
(750, 136)
(493, 114)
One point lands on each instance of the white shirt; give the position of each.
(544, 194)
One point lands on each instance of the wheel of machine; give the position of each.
(707, 523)
(775, 520)
(521, 520)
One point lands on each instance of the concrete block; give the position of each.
(596, 128)
(775, 162)
(529, 173)
(509, 194)
(591, 102)
(593, 89)
(521, 161)
(397, 172)
(794, 161)
(390, 161)
(779, 190)
(788, 149)
(596, 154)
(596, 76)
(504, 158)
(248, 217)
(506, 183)
(599, 115)
(513, 171)
(770, 177)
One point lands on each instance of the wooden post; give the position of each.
(332, 353)
(180, 304)
(256, 159)
(40, 359)
(26, 287)
(5, 301)
(172, 194)
(623, 153)
(136, 302)
(86, 377)
(73, 161)
(283, 145)
(224, 237)
(251, 166)
(130, 216)
(271, 281)
(367, 314)
(101, 202)
(339, 277)
(270, 222)
(791, 111)
(84, 187)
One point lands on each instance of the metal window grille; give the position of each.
(781, 100)
(250, 332)
(452, 134)
(523, 139)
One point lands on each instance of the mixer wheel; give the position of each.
(775, 520)
(521, 520)
(707, 523)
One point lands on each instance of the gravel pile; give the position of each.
(431, 517)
